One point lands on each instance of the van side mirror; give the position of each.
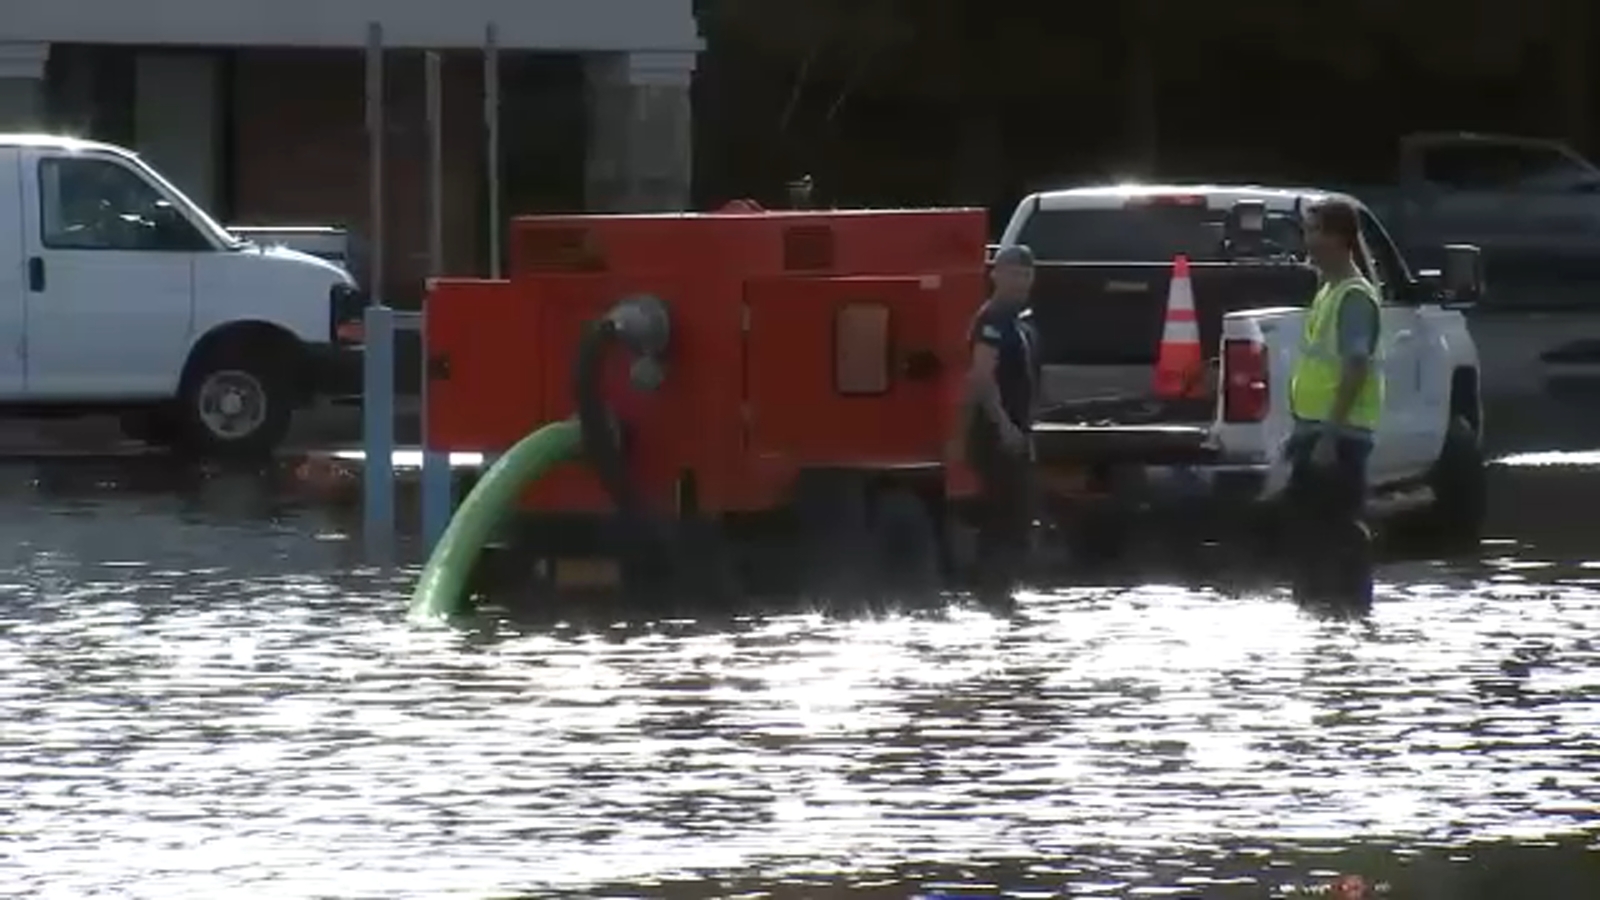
(1461, 280)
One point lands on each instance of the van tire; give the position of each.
(236, 401)
(1459, 484)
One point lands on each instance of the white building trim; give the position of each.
(561, 25)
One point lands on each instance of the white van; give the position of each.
(119, 294)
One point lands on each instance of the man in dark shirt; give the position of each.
(999, 422)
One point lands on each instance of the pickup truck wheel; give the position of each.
(1458, 484)
(235, 404)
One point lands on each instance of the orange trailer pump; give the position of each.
(797, 341)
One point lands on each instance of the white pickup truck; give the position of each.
(119, 295)
(1104, 268)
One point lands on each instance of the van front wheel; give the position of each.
(235, 404)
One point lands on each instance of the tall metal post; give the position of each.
(491, 124)
(436, 499)
(375, 127)
(377, 405)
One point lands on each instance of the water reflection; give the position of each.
(203, 696)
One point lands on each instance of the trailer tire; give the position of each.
(707, 569)
(835, 535)
(905, 546)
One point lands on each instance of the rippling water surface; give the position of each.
(201, 696)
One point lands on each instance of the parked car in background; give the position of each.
(1532, 207)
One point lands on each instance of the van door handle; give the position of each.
(36, 274)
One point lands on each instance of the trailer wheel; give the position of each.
(706, 567)
(905, 546)
(835, 535)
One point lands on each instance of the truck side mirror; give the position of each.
(1462, 276)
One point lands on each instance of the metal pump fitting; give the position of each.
(643, 324)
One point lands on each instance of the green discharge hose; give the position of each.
(443, 586)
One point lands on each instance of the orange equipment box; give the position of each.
(800, 340)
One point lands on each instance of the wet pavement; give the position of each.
(203, 694)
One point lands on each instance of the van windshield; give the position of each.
(1151, 233)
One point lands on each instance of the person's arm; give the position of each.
(983, 389)
(1358, 341)
(1035, 367)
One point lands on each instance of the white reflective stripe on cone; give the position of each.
(1180, 333)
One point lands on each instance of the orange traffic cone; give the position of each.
(1180, 365)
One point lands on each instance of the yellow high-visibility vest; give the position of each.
(1317, 371)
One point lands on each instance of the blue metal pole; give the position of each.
(377, 411)
(437, 496)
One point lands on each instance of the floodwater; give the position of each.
(203, 696)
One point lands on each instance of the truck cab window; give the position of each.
(1505, 167)
(96, 204)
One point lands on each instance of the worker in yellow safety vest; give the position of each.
(1336, 396)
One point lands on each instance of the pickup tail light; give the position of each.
(346, 315)
(1246, 391)
(352, 332)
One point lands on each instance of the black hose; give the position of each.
(602, 439)
(641, 546)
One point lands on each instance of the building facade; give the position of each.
(258, 111)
